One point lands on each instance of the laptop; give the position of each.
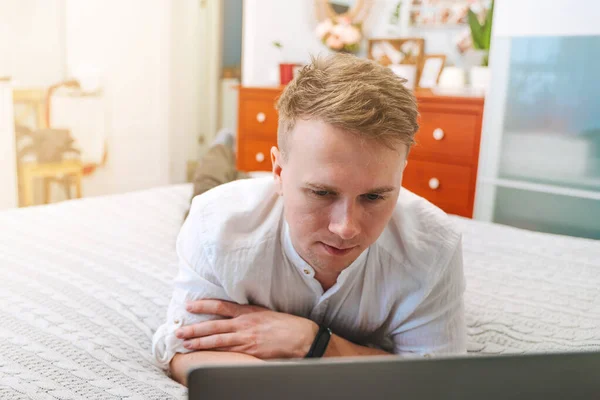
(530, 377)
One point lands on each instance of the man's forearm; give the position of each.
(251, 329)
(182, 364)
(340, 347)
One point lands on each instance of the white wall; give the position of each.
(8, 173)
(187, 38)
(127, 42)
(32, 35)
(557, 18)
(290, 22)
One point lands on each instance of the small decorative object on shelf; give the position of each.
(432, 70)
(442, 13)
(286, 69)
(481, 32)
(452, 79)
(394, 23)
(404, 56)
(340, 35)
(340, 23)
(481, 36)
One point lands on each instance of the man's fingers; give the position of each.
(215, 307)
(220, 307)
(213, 342)
(206, 328)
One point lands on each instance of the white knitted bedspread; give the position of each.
(84, 284)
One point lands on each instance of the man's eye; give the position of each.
(320, 193)
(373, 197)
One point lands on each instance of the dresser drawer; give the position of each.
(448, 137)
(258, 117)
(254, 155)
(445, 185)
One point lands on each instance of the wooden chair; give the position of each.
(31, 111)
(69, 172)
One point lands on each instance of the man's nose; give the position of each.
(345, 220)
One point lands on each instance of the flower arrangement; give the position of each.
(340, 34)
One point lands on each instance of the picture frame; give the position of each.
(398, 51)
(433, 65)
(385, 50)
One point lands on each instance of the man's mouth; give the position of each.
(337, 251)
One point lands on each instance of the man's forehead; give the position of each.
(351, 177)
(318, 140)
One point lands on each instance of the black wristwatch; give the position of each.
(319, 345)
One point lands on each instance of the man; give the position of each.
(329, 257)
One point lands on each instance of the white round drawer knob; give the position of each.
(261, 117)
(434, 183)
(260, 157)
(438, 134)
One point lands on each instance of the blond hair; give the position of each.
(353, 94)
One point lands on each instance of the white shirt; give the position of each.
(403, 294)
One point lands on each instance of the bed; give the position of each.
(84, 284)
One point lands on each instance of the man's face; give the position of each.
(339, 192)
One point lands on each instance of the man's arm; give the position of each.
(340, 347)
(182, 364)
(195, 279)
(260, 333)
(438, 325)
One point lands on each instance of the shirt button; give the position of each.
(176, 321)
(306, 271)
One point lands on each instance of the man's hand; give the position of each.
(251, 330)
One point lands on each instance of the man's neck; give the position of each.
(327, 280)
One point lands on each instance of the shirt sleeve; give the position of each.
(195, 280)
(437, 325)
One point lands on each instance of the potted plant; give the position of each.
(481, 35)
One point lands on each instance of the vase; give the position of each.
(474, 57)
(480, 78)
(406, 71)
(452, 78)
(286, 73)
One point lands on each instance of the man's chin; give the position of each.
(336, 263)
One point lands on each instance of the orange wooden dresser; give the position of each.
(442, 165)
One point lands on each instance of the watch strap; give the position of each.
(319, 345)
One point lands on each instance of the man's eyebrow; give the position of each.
(382, 190)
(319, 186)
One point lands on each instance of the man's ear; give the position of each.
(277, 161)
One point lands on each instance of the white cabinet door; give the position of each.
(540, 156)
